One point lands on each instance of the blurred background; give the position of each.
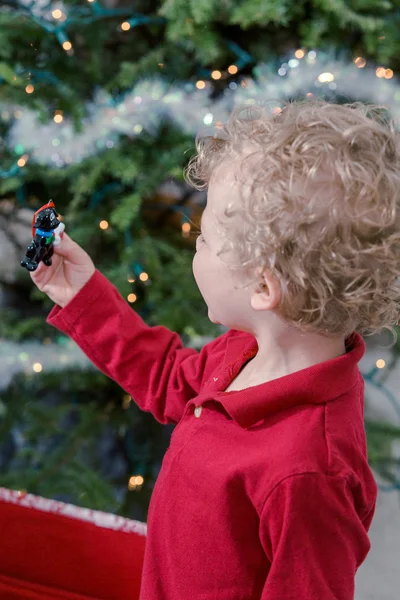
(100, 102)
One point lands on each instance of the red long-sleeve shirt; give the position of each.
(264, 493)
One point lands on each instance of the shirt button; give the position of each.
(197, 411)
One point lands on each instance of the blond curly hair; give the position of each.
(323, 214)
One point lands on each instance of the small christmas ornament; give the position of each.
(46, 232)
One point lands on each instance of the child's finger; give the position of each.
(67, 247)
(35, 275)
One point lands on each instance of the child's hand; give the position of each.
(71, 268)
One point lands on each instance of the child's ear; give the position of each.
(267, 293)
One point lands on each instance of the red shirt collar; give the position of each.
(317, 384)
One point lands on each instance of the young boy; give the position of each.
(265, 492)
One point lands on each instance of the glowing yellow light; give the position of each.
(90, 0)
(125, 26)
(67, 45)
(134, 481)
(232, 69)
(57, 13)
(380, 72)
(143, 276)
(299, 53)
(325, 77)
(126, 401)
(360, 62)
(23, 160)
(380, 363)
(186, 227)
(388, 74)
(132, 298)
(29, 89)
(37, 367)
(131, 279)
(138, 128)
(58, 118)
(103, 225)
(200, 85)
(216, 74)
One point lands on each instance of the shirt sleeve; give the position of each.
(150, 363)
(313, 538)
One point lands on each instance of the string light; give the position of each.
(380, 363)
(57, 13)
(23, 160)
(216, 74)
(126, 401)
(143, 276)
(186, 227)
(232, 69)
(58, 116)
(29, 89)
(135, 481)
(37, 367)
(131, 279)
(200, 84)
(299, 53)
(125, 26)
(326, 77)
(132, 298)
(360, 62)
(67, 45)
(103, 225)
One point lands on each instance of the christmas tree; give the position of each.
(100, 104)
